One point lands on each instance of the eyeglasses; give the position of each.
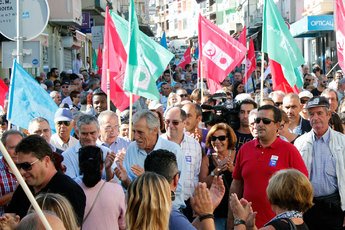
(66, 123)
(307, 79)
(64, 86)
(175, 123)
(26, 166)
(111, 128)
(265, 120)
(183, 95)
(220, 138)
(277, 104)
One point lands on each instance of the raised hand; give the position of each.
(201, 201)
(217, 191)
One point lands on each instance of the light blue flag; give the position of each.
(28, 100)
(147, 59)
(164, 41)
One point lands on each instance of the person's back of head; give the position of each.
(149, 203)
(162, 162)
(33, 222)
(59, 206)
(90, 164)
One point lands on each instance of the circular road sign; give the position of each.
(34, 18)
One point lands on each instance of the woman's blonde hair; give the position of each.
(291, 190)
(149, 203)
(60, 206)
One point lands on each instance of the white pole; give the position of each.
(130, 115)
(26, 189)
(108, 88)
(19, 34)
(262, 78)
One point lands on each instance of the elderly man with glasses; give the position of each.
(174, 121)
(64, 123)
(258, 160)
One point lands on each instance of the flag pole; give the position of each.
(332, 69)
(201, 80)
(108, 88)
(24, 186)
(130, 115)
(262, 78)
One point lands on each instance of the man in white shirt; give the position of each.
(62, 139)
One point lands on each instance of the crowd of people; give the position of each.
(193, 160)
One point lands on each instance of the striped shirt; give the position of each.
(8, 181)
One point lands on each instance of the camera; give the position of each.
(225, 111)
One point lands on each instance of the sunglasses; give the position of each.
(175, 123)
(266, 121)
(220, 138)
(67, 123)
(304, 101)
(64, 86)
(26, 166)
(277, 104)
(183, 95)
(307, 79)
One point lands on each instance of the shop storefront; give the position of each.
(317, 32)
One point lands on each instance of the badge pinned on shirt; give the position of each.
(273, 161)
(188, 159)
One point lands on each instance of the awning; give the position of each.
(312, 26)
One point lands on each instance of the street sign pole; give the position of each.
(19, 37)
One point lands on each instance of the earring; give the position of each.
(173, 196)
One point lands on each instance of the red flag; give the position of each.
(243, 37)
(213, 85)
(219, 52)
(3, 92)
(114, 57)
(278, 80)
(99, 60)
(340, 32)
(250, 62)
(186, 59)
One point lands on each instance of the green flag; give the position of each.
(94, 60)
(146, 59)
(279, 44)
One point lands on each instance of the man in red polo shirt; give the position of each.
(258, 160)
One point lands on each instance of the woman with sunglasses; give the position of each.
(222, 139)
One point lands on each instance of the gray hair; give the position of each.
(37, 120)
(278, 93)
(87, 120)
(104, 114)
(329, 90)
(152, 120)
(8, 133)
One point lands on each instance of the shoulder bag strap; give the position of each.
(93, 203)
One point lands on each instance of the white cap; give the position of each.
(305, 93)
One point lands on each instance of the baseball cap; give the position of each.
(154, 105)
(305, 93)
(63, 114)
(318, 101)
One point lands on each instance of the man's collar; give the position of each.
(275, 143)
(325, 137)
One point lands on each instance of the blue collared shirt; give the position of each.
(136, 156)
(117, 145)
(71, 160)
(323, 170)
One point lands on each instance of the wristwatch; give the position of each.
(238, 222)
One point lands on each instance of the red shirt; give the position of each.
(255, 165)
